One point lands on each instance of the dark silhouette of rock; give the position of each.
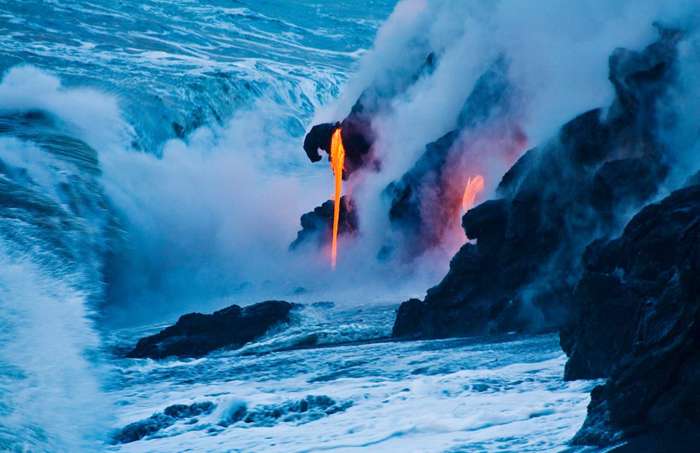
(408, 319)
(356, 134)
(317, 225)
(161, 420)
(356, 129)
(298, 412)
(557, 198)
(426, 197)
(638, 322)
(319, 138)
(358, 137)
(196, 334)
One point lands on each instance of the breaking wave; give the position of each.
(151, 164)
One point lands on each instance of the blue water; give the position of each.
(191, 62)
(126, 130)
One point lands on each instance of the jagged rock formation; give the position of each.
(298, 412)
(425, 199)
(197, 334)
(356, 128)
(161, 420)
(638, 322)
(556, 199)
(317, 225)
(358, 137)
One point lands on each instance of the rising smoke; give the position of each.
(212, 219)
(209, 222)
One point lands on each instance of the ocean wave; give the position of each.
(322, 324)
(180, 66)
(430, 395)
(50, 390)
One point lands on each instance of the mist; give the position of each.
(207, 220)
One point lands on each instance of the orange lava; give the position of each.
(471, 190)
(337, 160)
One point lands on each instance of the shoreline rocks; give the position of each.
(638, 323)
(197, 334)
(583, 184)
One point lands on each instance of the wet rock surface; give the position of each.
(317, 225)
(433, 188)
(638, 323)
(161, 420)
(356, 133)
(582, 185)
(356, 128)
(197, 334)
(305, 410)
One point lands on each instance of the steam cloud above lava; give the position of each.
(430, 58)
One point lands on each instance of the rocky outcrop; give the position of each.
(162, 420)
(197, 334)
(356, 128)
(557, 198)
(358, 138)
(317, 225)
(638, 322)
(296, 412)
(356, 135)
(424, 200)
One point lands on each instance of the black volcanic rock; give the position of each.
(405, 194)
(161, 420)
(410, 213)
(356, 134)
(356, 128)
(317, 225)
(196, 334)
(638, 322)
(622, 276)
(408, 318)
(556, 199)
(319, 138)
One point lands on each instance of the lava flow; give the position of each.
(337, 156)
(472, 189)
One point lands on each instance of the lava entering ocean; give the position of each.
(337, 157)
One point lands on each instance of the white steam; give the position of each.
(209, 222)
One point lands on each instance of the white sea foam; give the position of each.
(50, 389)
(416, 396)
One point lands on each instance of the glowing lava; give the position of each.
(337, 160)
(472, 189)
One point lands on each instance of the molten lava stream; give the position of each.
(337, 161)
(472, 189)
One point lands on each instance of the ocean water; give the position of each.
(482, 394)
(143, 148)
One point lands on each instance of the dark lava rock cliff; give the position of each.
(638, 322)
(196, 334)
(427, 191)
(317, 225)
(584, 184)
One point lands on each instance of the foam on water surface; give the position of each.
(502, 394)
